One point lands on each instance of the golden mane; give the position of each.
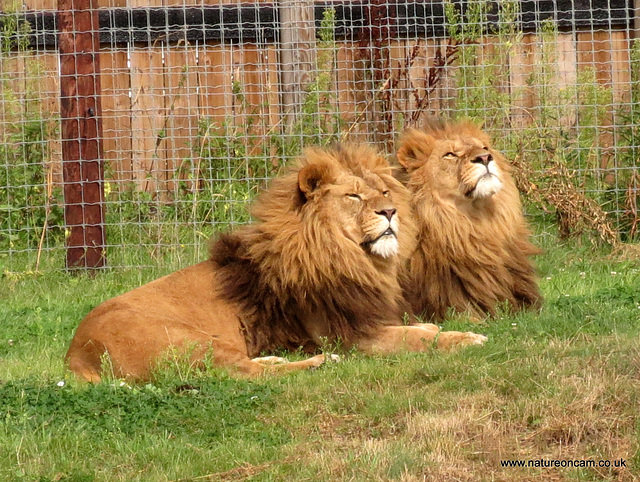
(263, 268)
(473, 243)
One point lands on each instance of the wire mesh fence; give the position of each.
(199, 105)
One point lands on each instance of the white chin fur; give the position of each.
(385, 247)
(487, 186)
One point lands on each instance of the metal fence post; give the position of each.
(81, 132)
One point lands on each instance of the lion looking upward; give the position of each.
(320, 262)
(473, 243)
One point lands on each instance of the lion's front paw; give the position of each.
(475, 338)
(333, 358)
(453, 339)
(320, 360)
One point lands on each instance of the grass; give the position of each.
(562, 384)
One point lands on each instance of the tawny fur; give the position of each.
(473, 244)
(307, 271)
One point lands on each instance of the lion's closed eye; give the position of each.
(354, 196)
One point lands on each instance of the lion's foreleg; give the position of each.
(270, 360)
(258, 367)
(415, 338)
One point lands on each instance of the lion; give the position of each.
(319, 264)
(473, 248)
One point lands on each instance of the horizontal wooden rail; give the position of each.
(259, 22)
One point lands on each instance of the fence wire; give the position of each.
(202, 104)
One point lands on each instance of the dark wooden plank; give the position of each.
(80, 112)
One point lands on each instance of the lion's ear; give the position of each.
(312, 176)
(415, 149)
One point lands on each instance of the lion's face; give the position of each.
(457, 160)
(361, 206)
(473, 165)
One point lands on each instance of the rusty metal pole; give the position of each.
(81, 130)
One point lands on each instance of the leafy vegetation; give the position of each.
(30, 206)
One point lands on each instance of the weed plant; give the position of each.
(30, 207)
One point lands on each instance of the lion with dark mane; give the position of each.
(319, 263)
(473, 243)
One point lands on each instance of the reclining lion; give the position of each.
(319, 263)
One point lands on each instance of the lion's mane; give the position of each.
(294, 261)
(472, 253)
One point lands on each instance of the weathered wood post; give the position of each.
(81, 132)
(297, 54)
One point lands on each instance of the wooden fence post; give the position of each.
(81, 132)
(297, 54)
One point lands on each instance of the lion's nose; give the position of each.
(484, 159)
(388, 212)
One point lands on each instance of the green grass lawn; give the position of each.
(563, 384)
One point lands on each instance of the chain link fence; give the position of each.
(197, 106)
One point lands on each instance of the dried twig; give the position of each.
(434, 77)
